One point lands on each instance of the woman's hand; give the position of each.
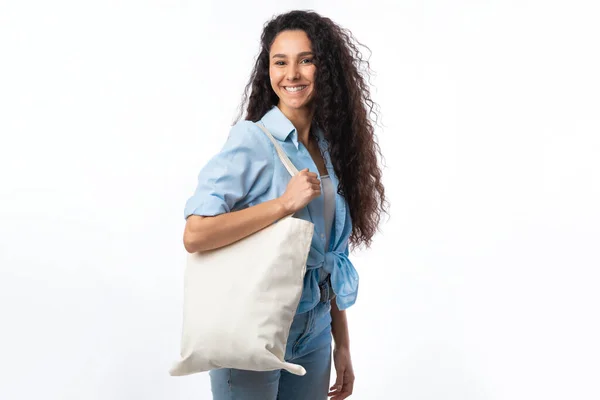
(344, 383)
(301, 189)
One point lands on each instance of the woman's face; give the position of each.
(291, 69)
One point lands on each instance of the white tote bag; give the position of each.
(240, 300)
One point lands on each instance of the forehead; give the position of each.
(291, 42)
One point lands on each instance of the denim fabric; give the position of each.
(309, 344)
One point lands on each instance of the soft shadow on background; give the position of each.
(481, 286)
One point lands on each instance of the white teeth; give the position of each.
(294, 89)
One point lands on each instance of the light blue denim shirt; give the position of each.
(247, 171)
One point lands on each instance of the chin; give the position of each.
(295, 106)
(298, 104)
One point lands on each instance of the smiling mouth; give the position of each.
(294, 89)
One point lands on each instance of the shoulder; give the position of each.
(245, 134)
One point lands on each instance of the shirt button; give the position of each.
(322, 236)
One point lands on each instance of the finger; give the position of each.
(348, 385)
(335, 389)
(340, 396)
(350, 388)
(346, 390)
(339, 382)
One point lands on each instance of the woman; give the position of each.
(306, 89)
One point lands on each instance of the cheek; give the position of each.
(275, 77)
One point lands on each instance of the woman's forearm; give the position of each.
(339, 327)
(207, 233)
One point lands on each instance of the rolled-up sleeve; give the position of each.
(238, 174)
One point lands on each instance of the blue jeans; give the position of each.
(309, 344)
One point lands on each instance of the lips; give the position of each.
(295, 89)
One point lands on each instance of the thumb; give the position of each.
(339, 382)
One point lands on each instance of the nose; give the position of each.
(293, 72)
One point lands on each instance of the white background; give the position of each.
(482, 285)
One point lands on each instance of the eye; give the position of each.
(309, 60)
(279, 62)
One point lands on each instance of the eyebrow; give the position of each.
(304, 53)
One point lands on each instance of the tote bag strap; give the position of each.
(282, 156)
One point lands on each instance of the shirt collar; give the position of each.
(279, 126)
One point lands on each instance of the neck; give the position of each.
(301, 119)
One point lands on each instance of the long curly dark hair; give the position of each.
(341, 104)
